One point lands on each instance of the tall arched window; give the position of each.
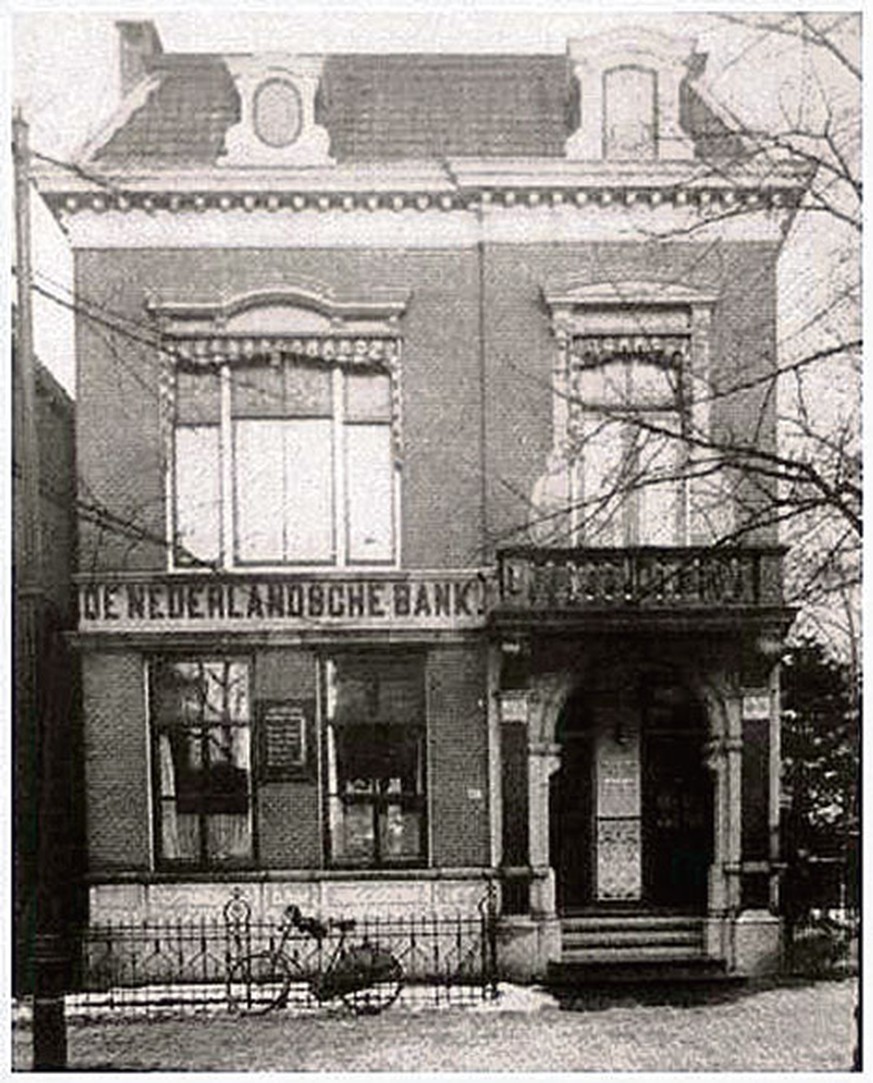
(626, 424)
(282, 420)
(630, 119)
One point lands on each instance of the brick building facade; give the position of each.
(359, 339)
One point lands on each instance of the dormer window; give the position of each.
(629, 97)
(277, 125)
(630, 115)
(277, 112)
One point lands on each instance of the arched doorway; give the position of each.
(630, 808)
(571, 807)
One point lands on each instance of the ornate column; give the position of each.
(544, 759)
(716, 762)
(734, 757)
(722, 758)
(775, 794)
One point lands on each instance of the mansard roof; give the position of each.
(381, 108)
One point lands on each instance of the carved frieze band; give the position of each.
(714, 203)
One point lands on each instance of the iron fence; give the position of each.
(190, 964)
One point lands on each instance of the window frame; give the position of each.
(154, 730)
(627, 309)
(630, 506)
(617, 151)
(378, 802)
(341, 422)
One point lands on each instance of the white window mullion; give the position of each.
(340, 525)
(226, 459)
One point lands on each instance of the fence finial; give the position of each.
(237, 910)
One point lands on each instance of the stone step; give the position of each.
(632, 953)
(571, 975)
(628, 921)
(613, 936)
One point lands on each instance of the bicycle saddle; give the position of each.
(344, 925)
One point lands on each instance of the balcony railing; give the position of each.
(533, 580)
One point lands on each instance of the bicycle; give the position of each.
(366, 977)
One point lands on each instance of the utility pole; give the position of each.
(32, 633)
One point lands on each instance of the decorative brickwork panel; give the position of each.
(514, 768)
(457, 750)
(121, 455)
(756, 789)
(116, 762)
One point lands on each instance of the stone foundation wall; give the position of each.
(352, 897)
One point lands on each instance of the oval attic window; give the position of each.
(278, 112)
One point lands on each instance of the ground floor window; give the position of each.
(375, 738)
(201, 760)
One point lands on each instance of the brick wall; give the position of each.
(116, 761)
(458, 750)
(521, 348)
(121, 458)
(442, 383)
(288, 821)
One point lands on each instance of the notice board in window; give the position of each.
(284, 726)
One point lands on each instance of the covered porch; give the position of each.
(638, 704)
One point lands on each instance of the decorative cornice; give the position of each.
(715, 202)
(300, 319)
(459, 185)
(358, 351)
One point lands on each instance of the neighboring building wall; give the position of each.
(57, 518)
(55, 422)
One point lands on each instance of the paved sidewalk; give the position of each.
(784, 1028)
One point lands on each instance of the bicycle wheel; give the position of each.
(384, 988)
(258, 983)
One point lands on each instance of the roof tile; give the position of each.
(386, 108)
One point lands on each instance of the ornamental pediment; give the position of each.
(285, 309)
(569, 293)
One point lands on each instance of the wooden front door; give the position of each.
(677, 816)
